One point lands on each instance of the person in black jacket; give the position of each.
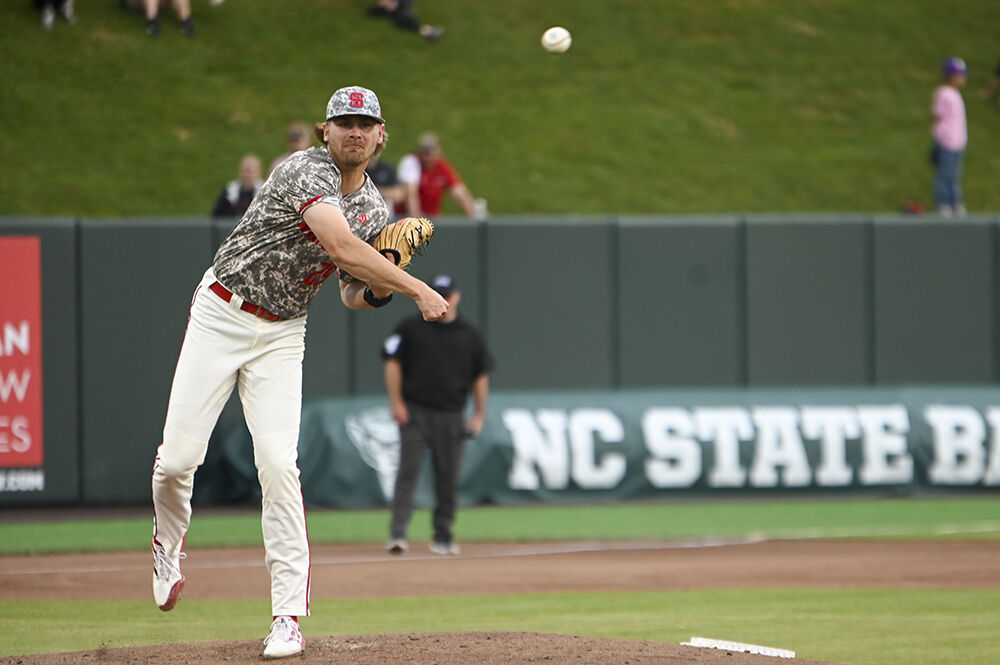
(430, 370)
(235, 197)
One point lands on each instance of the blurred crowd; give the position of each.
(416, 187)
(400, 12)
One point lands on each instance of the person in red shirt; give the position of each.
(426, 176)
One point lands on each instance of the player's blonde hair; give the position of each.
(318, 133)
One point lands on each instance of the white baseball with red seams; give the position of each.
(557, 39)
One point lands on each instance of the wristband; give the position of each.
(376, 302)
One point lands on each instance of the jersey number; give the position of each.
(321, 275)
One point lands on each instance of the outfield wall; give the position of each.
(595, 446)
(567, 303)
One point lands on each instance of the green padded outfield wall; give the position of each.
(680, 302)
(136, 282)
(58, 480)
(807, 300)
(935, 300)
(564, 304)
(551, 319)
(579, 446)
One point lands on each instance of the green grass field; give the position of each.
(659, 107)
(950, 518)
(855, 626)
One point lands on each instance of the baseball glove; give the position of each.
(400, 241)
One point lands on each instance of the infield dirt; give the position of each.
(488, 568)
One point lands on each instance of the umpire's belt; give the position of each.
(256, 310)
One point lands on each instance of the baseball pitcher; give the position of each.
(317, 215)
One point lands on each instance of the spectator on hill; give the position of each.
(426, 175)
(151, 8)
(403, 15)
(993, 85)
(299, 137)
(235, 197)
(950, 134)
(383, 174)
(51, 8)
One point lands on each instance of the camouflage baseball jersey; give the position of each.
(271, 257)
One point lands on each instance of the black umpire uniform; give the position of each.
(439, 364)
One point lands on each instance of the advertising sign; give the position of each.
(21, 440)
(573, 447)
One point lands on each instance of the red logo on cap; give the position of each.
(357, 100)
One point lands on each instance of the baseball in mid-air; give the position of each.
(557, 39)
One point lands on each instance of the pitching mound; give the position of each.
(423, 649)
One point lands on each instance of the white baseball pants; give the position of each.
(225, 347)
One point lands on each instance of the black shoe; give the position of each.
(187, 27)
(153, 27)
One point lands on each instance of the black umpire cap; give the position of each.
(444, 284)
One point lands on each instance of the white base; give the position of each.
(705, 642)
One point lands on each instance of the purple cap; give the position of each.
(952, 66)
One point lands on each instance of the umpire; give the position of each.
(430, 369)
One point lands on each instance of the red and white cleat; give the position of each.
(168, 582)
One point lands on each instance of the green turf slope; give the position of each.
(673, 107)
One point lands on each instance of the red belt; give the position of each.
(256, 310)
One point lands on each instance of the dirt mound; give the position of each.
(423, 649)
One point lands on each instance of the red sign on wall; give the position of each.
(20, 352)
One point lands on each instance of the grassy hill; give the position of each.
(686, 106)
